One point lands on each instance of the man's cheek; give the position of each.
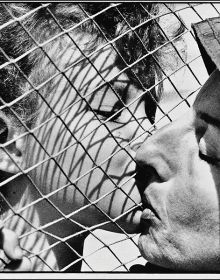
(184, 208)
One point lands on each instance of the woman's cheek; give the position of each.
(89, 152)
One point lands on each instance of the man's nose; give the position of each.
(140, 133)
(139, 139)
(161, 150)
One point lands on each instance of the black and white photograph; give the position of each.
(109, 140)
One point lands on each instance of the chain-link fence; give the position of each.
(82, 85)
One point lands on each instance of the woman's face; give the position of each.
(180, 223)
(86, 164)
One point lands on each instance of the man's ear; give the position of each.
(11, 145)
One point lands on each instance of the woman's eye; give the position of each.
(111, 115)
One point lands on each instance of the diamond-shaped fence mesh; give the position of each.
(82, 85)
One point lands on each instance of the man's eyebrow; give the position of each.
(209, 119)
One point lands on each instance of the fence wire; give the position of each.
(82, 86)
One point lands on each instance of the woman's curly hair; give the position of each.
(24, 24)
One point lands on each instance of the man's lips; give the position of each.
(147, 214)
(148, 210)
(148, 218)
(145, 177)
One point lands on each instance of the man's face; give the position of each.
(92, 165)
(182, 160)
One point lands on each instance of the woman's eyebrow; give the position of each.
(209, 119)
